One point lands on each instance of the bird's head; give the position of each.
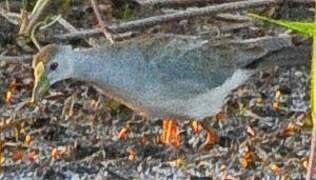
(50, 65)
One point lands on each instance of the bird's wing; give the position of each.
(180, 68)
(193, 66)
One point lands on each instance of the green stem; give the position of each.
(311, 162)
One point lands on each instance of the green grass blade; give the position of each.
(305, 28)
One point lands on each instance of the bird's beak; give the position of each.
(41, 83)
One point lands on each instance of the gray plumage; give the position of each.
(180, 78)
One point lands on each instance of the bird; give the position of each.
(171, 78)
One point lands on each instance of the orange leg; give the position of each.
(195, 126)
(170, 135)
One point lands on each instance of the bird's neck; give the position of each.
(90, 64)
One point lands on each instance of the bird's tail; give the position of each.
(286, 56)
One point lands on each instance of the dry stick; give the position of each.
(302, 1)
(152, 21)
(69, 27)
(186, 3)
(17, 59)
(311, 159)
(171, 3)
(9, 16)
(37, 11)
(35, 42)
(106, 33)
(7, 5)
(223, 29)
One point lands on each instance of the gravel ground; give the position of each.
(264, 129)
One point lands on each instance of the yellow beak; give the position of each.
(41, 83)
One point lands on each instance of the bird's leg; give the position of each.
(196, 126)
(170, 135)
(211, 135)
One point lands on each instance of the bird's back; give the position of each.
(179, 77)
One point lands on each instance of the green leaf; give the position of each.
(305, 28)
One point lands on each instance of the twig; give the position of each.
(7, 4)
(233, 17)
(311, 159)
(124, 36)
(66, 25)
(35, 42)
(187, 3)
(35, 15)
(25, 21)
(9, 16)
(152, 21)
(302, 1)
(69, 27)
(107, 34)
(16, 59)
(171, 3)
(55, 19)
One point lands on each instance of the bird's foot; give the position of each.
(170, 135)
(211, 138)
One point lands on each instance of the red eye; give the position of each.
(53, 66)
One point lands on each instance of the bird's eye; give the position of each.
(53, 66)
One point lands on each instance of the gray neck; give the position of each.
(89, 64)
(107, 66)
